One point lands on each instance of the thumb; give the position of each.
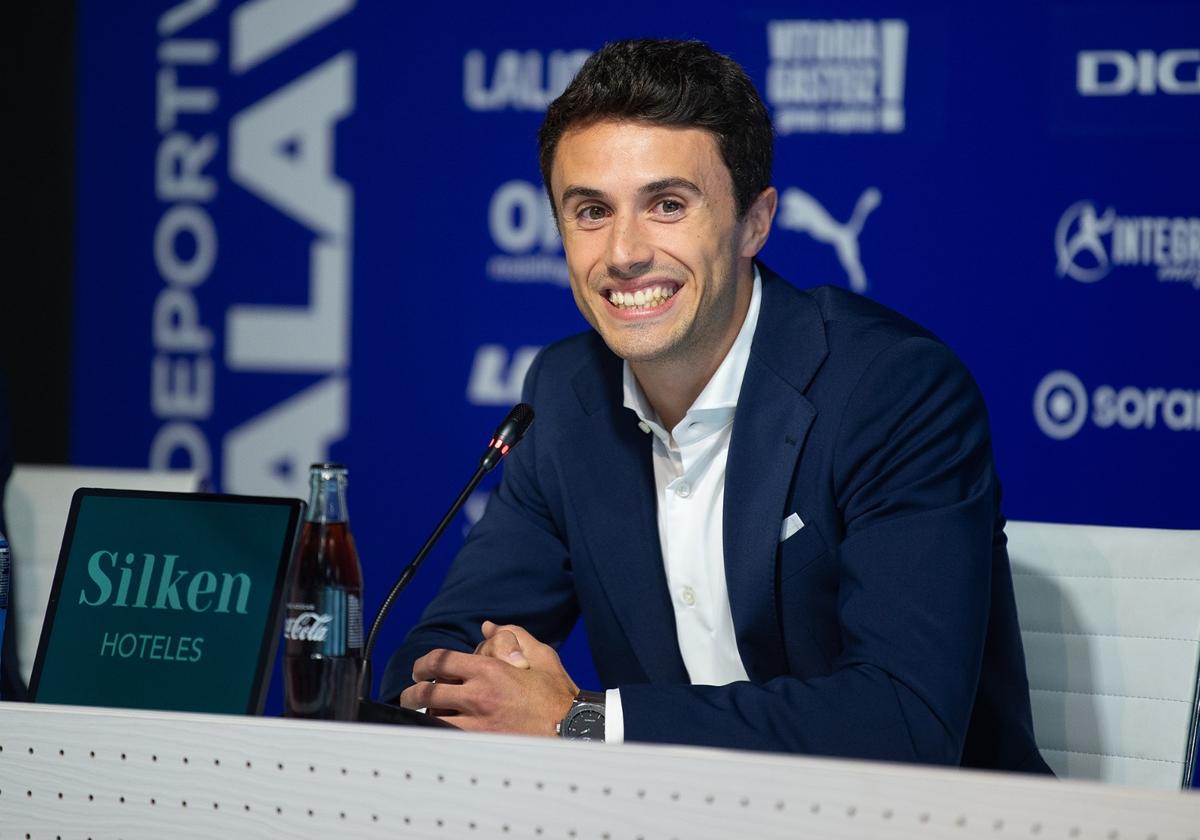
(501, 642)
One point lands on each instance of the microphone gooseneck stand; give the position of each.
(507, 435)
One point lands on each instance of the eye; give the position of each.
(669, 207)
(591, 215)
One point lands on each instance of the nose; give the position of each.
(630, 251)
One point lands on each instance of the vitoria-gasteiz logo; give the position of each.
(1061, 406)
(837, 76)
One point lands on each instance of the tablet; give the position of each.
(166, 601)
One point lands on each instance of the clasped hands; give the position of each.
(511, 683)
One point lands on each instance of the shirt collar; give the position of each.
(715, 405)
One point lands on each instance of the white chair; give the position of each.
(1110, 620)
(36, 505)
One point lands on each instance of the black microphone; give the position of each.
(508, 434)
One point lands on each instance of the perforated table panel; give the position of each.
(73, 773)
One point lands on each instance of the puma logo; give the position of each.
(804, 214)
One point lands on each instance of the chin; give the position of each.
(647, 342)
(640, 351)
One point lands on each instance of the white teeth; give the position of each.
(642, 298)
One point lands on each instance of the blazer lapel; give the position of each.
(771, 423)
(620, 520)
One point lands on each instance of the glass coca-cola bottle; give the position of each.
(322, 632)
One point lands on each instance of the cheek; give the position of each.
(585, 301)
(582, 253)
(695, 245)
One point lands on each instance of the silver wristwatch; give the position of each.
(585, 718)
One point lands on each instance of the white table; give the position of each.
(69, 772)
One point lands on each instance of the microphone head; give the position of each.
(508, 434)
(516, 424)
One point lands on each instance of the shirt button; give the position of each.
(643, 426)
(683, 489)
(688, 596)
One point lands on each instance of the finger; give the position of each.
(487, 629)
(501, 641)
(442, 697)
(540, 655)
(408, 698)
(526, 640)
(445, 665)
(413, 696)
(491, 628)
(504, 646)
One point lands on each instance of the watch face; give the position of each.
(586, 724)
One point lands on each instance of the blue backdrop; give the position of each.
(315, 231)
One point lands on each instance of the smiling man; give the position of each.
(658, 249)
(775, 510)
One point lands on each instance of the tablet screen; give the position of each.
(166, 601)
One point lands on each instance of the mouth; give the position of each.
(648, 297)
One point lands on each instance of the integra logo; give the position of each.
(1118, 73)
(1089, 244)
(139, 584)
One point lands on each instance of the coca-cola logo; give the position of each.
(307, 627)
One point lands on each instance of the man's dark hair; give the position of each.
(674, 83)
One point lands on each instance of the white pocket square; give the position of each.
(790, 526)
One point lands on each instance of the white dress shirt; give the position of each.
(689, 478)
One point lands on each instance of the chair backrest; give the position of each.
(1110, 620)
(36, 505)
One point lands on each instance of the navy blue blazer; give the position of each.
(884, 629)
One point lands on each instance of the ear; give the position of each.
(756, 225)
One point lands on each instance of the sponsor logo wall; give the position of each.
(317, 231)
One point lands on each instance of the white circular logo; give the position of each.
(1079, 233)
(1060, 404)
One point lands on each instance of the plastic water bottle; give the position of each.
(5, 563)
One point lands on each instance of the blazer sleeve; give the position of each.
(914, 481)
(514, 567)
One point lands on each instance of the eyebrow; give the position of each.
(675, 183)
(580, 192)
(646, 189)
